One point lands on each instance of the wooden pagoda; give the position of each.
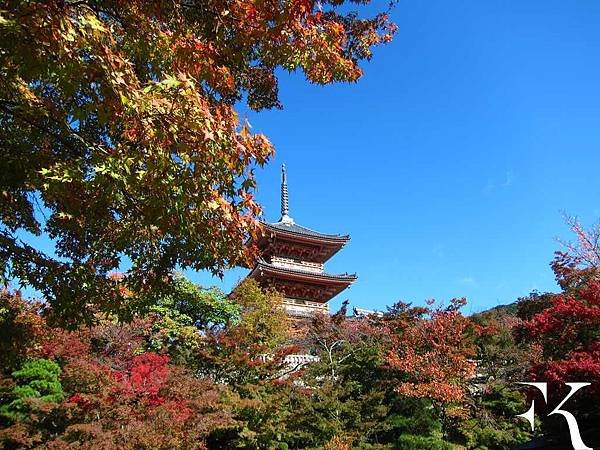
(291, 260)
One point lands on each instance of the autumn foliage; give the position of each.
(431, 356)
(201, 370)
(119, 139)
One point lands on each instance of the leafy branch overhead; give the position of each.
(119, 138)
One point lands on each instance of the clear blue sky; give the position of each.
(450, 161)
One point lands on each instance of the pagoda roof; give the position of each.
(329, 284)
(292, 240)
(263, 265)
(293, 228)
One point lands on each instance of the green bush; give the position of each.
(413, 442)
(38, 383)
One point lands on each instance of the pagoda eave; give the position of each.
(274, 241)
(302, 275)
(297, 232)
(319, 287)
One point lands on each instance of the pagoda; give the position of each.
(291, 260)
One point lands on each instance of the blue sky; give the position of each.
(450, 162)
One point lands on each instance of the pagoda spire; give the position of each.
(285, 218)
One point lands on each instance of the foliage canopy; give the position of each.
(119, 138)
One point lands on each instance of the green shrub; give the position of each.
(38, 383)
(413, 442)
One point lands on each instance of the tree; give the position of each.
(183, 314)
(499, 355)
(118, 136)
(249, 356)
(118, 396)
(149, 404)
(495, 402)
(341, 396)
(38, 384)
(580, 261)
(430, 355)
(264, 322)
(431, 359)
(564, 342)
(253, 348)
(22, 330)
(562, 331)
(351, 396)
(204, 308)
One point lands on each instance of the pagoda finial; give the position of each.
(285, 218)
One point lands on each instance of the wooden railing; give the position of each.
(306, 266)
(304, 308)
(300, 360)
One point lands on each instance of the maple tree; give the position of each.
(580, 260)
(430, 355)
(119, 139)
(22, 329)
(562, 330)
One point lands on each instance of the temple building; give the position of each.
(291, 260)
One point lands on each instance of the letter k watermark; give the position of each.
(576, 440)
